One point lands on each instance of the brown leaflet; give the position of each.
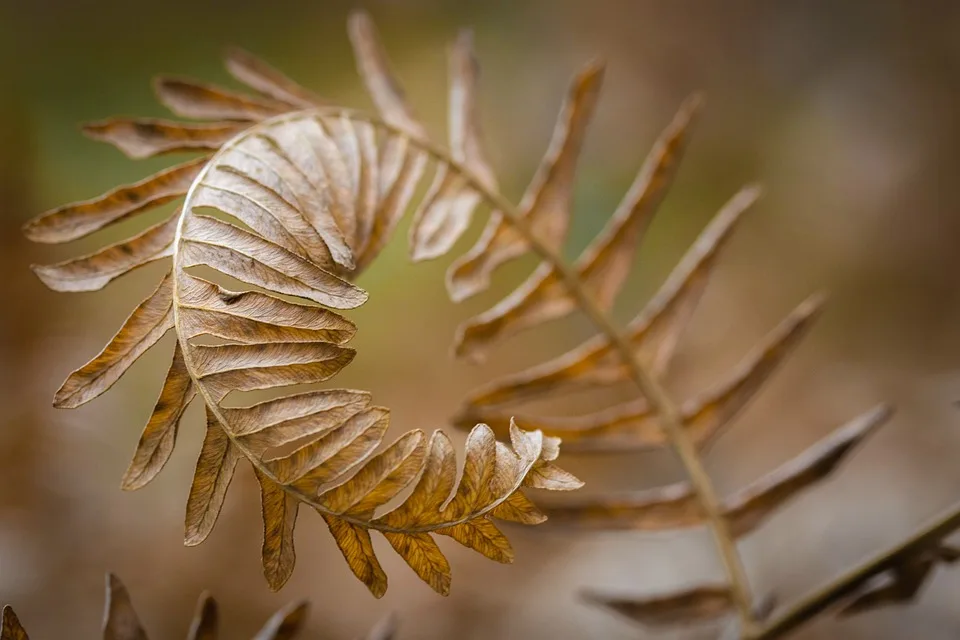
(368, 185)
(421, 552)
(279, 510)
(436, 483)
(654, 332)
(248, 367)
(286, 623)
(313, 177)
(520, 509)
(631, 426)
(747, 509)
(445, 212)
(374, 69)
(605, 264)
(466, 137)
(478, 467)
(206, 619)
(395, 198)
(206, 308)
(140, 138)
(120, 620)
(327, 458)
(543, 296)
(545, 205)
(215, 466)
(149, 322)
(277, 422)
(482, 536)
(95, 271)
(10, 627)
(252, 259)
(357, 549)
(379, 479)
(191, 99)
(160, 435)
(675, 506)
(322, 161)
(277, 191)
(79, 219)
(698, 604)
(262, 77)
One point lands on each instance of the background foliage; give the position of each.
(845, 113)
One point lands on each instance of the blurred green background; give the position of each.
(845, 112)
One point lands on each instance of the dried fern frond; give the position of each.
(121, 622)
(297, 199)
(642, 353)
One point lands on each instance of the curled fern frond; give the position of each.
(121, 622)
(295, 201)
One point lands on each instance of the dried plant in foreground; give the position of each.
(297, 200)
(642, 354)
(120, 620)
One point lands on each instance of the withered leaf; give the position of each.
(146, 325)
(120, 621)
(286, 623)
(357, 549)
(374, 70)
(247, 257)
(10, 627)
(258, 75)
(191, 99)
(280, 510)
(215, 466)
(632, 426)
(653, 333)
(146, 137)
(206, 308)
(80, 219)
(160, 435)
(95, 271)
(267, 365)
(424, 556)
(545, 205)
(675, 506)
(206, 619)
(444, 214)
(482, 536)
(543, 296)
(698, 604)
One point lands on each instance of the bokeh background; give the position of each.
(846, 112)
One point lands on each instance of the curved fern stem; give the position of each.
(660, 401)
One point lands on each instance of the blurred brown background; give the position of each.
(846, 112)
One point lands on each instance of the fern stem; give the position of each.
(660, 401)
(849, 582)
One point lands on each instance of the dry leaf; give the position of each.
(546, 203)
(79, 219)
(144, 137)
(699, 604)
(259, 75)
(675, 506)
